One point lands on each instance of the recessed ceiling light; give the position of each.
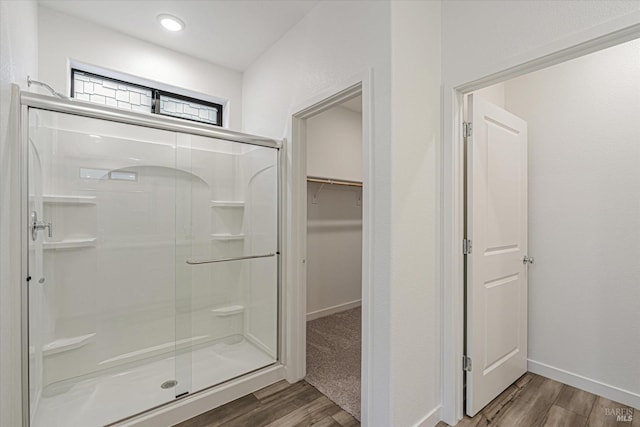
(170, 22)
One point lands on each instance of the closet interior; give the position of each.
(334, 252)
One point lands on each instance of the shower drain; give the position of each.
(169, 384)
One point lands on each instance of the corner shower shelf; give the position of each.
(59, 199)
(66, 344)
(227, 204)
(226, 237)
(70, 244)
(228, 311)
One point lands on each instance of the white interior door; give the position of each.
(496, 274)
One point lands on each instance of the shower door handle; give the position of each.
(39, 225)
(211, 261)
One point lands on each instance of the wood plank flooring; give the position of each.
(535, 401)
(279, 405)
(532, 401)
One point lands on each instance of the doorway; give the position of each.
(334, 252)
(343, 185)
(579, 186)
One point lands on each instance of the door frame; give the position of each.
(611, 33)
(295, 263)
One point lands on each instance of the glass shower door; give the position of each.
(228, 266)
(153, 258)
(103, 337)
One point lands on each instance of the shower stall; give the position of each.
(151, 258)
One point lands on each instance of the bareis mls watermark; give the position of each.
(621, 414)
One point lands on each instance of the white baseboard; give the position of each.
(334, 309)
(431, 419)
(587, 384)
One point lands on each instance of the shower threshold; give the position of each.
(117, 394)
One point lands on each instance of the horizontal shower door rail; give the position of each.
(87, 109)
(240, 258)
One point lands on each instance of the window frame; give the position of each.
(155, 97)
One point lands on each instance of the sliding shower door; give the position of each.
(153, 266)
(226, 259)
(102, 322)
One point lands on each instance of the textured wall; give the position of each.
(481, 37)
(18, 58)
(415, 289)
(333, 43)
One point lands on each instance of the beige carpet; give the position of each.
(333, 358)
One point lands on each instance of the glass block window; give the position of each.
(172, 106)
(89, 87)
(117, 93)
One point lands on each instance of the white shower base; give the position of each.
(107, 398)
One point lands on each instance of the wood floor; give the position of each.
(279, 405)
(535, 401)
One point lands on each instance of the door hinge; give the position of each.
(466, 363)
(467, 128)
(466, 247)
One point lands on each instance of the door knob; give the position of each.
(527, 259)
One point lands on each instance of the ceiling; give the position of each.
(232, 33)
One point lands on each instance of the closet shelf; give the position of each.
(60, 199)
(66, 344)
(227, 204)
(228, 311)
(331, 181)
(70, 243)
(227, 237)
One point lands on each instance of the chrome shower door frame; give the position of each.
(29, 100)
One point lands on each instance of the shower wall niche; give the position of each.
(160, 277)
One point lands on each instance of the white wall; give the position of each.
(482, 37)
(584, 214)
(334, 42)
(479, 39)
(415, 296)
(334, 144)
(63, 38)
(334, 216)
(18, 58)
(334, 249)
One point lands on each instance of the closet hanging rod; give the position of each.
(333, 181)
